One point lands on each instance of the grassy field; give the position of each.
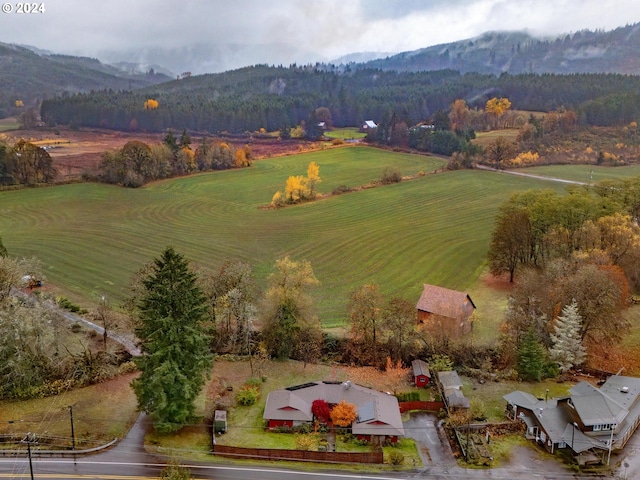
(100, 412)
(433, 229)
(345, 133)
(584, 173)
(9, 123)
(485, 138)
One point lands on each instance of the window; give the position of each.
(562, 445)
(597, 428)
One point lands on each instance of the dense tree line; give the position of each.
(576, 254)
(25, 164)
(137, 163)
(274, 97)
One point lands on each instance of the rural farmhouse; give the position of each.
(592, 421)
(378, 413)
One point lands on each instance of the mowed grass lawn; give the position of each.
(434, 229)
(584, 173)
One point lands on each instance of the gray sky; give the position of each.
(293, 30)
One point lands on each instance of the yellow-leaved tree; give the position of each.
(497, 107)
(296, 188)
(241, 158)
(277, 200)
(344, 414)
(313, 178)
(150, 104)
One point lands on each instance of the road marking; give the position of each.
(71, 475)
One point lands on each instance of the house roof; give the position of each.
(445, 302)
(578, 441)
(616, 402)
(521, 399)
(420, 367)
(456, 399)
(370, 124)
(595, 406)
(379, 413)
(450, 379)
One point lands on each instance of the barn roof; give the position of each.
(445, 302)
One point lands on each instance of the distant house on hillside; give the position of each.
(447, 311)
(421, 373)
(378, 419)
(367, 126)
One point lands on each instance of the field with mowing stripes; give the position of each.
(432, 229)
(584, 173)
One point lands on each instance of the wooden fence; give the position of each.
(416, 405)
(298, 455)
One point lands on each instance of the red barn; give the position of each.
(446, 311)
(421, 373)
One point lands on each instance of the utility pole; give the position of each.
(27, 440)
(73, 437)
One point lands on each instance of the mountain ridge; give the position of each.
(516, 52)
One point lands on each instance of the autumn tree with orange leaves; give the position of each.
(151, 104)
(344, 414)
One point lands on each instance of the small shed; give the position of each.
(220, 421)
(421, 373)
(452, 390)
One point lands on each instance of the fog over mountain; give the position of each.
(215, 35)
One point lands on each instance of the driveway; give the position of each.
(423, 428)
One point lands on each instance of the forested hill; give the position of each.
(614, 51)
(31, 77)
(274, 97)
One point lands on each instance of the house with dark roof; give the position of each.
(447, 311)
(421, 373)
(591, 421)
(378, 419)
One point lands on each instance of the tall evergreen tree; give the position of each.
(531, 357)
(175, 348)
(567, 349)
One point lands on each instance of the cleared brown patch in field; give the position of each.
(76, 152)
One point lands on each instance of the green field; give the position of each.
(345, 133)
(9, 123)
(432, 229)
(584, 173)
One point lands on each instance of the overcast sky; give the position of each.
(295, 30)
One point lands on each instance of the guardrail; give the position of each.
(35, 452)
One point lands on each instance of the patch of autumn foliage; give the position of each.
(344, 414)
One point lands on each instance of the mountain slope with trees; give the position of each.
(277, 97)
(585, 51)
(28, 77)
